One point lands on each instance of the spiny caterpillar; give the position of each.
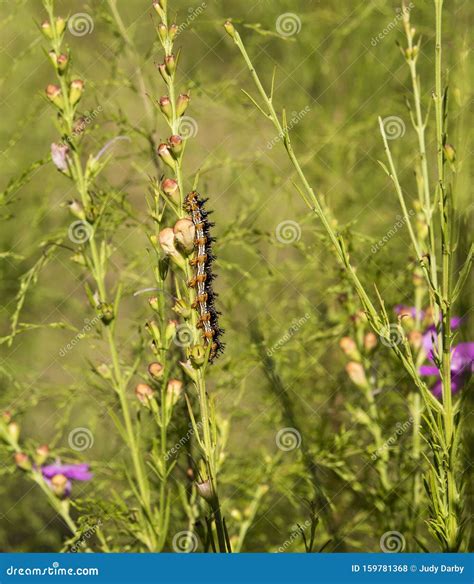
(203, 276)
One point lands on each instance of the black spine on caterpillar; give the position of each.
(208, 315)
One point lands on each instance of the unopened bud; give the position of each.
(22, 461)
(165, 155)
(156, 370)
(14, 431)
(77, 209)
(163, 72)
(60, 157)
(176, 145)
(167, 243)
(60, 25)
(229, 27)
(170, 64)
(165, 107)
(154, 303)
(46, 29)
(415, 338)
(370, 341)
(184, 233)
(42, 453)
(173, 31)
(182, 104)
(62, 62)
(170, 330)
(170, 188)
(163, 32)
(53, 93)
(144, 393)
(76, 90)
(356, 373)
(349, 348)
(174, 389)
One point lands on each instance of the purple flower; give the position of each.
(59, 476)
(429, 336)
(412, 311)
(462, 365)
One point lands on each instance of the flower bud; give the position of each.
(156, 370)
(62, 62)
(188, 369)
(349, 348)
(14, 431)
(170, 188)
(184, 233)
(165, 107)
(22, 461)
(163, 73)
(60, 485)
(198, 355)
(370, 341)
(46, 29)
(182, 104)
(53, 93)
(163, 32)
(153, 329)
(174, 389)
(42, 453)
(77, 209)
(356, 373)
(229, 27)
(106, 312)
(104, 371)
(154, 303)
(144, 394)
(173, 31)
(6, 416)
(176, 145)
(158, 8)
(60, 25)
(60, 158)
(170, 64)
(170, 330)
(165, 155)
(76, 90)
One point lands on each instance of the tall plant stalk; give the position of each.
(441, 423)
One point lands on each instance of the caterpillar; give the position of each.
(203, 274)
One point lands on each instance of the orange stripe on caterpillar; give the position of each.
(203, 275)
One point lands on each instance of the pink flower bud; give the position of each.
(59, 156)
(156, 370)
(22, 461)
(166, 239)
(229, 27)
(46, 29)
(170, 188)
(144, 393)
(165, 155)
(176, 145)
(165, 107)
(76, 90)
(182, 104)
(53, 93)
(170, 64)
(356, 373)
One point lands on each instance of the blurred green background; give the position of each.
(334, 72)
